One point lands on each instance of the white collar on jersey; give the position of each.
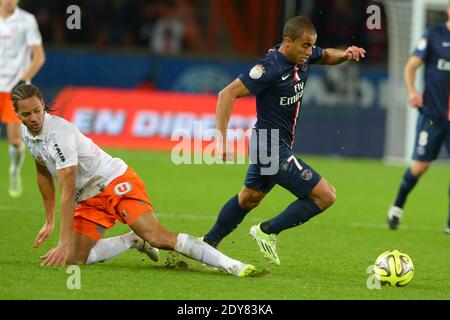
(43, 133)
(13, 16)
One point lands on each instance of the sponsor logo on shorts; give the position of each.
(307, 175)
(122, 188)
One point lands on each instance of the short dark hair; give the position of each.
(296, 26)
(26, 91)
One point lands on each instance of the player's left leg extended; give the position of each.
(89, 247)
(148, 227)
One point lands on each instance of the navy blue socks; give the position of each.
(229, 218)
(298, 212)
(408, 183)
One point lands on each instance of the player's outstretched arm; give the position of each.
(333, 56)
(227, 96)
(415, 98)
(67, 184)
(47, 190)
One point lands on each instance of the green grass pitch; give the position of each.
(327, 258)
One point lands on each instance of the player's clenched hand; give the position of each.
(355, 53)
(45, 232)
(416, 99)
(56, 257)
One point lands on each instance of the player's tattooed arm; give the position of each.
(333, 56)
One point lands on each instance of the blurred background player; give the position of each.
(21, 57)
(433, 122)
(278, 82)
(96, 190)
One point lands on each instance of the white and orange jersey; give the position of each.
(18, 33)
(60, 145)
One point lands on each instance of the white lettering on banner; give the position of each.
(151, 124)
(165, 126)
(108, 122)
(148, 123)
(83, 119)
(145, 124)
(184, 121)
(102, 121)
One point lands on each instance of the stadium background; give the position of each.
(123, 44)
(114, 70)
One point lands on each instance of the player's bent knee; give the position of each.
(249, 198)
(16, 143)
(248, 204)
(331, 198)
(419, 167)
(327, 199)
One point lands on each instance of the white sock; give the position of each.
(201, 251)
(107, 248)
(16, 157)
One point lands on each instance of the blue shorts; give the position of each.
(431, 134)
(293, 174)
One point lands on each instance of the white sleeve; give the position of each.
(63, 150)
(32, 36)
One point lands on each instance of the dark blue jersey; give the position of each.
(278, 85)
(434, 49)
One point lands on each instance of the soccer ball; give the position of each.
(394, 268)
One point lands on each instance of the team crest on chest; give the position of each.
(257, 72)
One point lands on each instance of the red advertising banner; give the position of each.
(152, 120)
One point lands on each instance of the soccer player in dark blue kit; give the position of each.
(433, 122)
(277, 81)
